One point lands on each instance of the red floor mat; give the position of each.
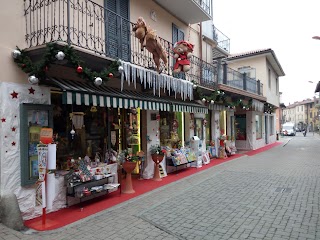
(74, 213)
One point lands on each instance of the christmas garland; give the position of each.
(53, 54)
(220, 97)
(268, 108)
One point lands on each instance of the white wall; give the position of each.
(10, 156)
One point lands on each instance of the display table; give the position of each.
(84, 190)
(171, 162)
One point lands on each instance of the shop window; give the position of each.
(33, 117)
(208, 129)
(258, 126)
(169, 129)
(198, 128)
(271, 125)
(241, 126)
(223, 122)
(232, 127)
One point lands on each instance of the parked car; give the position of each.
(288, 129)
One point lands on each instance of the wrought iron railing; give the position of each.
(87, 25)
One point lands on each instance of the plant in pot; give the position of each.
(157, 154)
(128, 162)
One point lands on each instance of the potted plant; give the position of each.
(157, 154)
(129, 163)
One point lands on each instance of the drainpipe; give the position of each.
(68, 22)
(200, 55)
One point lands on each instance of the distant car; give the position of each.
(288, 129)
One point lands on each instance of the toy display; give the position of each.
(182, 53)
(149, 40)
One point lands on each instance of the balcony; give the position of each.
(100, 33)
(237, 80)
(214, 36)
(104, 36)
(188, 11)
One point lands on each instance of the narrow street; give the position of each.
(271, 195)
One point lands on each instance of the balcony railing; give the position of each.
(222, 40)
(205, 5)
(239, 80)
(87, 25)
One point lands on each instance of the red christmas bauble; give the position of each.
(23, 65)
(110, 75)
(79, 69)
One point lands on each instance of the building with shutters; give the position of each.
(80, 70)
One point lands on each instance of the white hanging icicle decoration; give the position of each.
(134, 77)
(122, 74)
(157, 81)
(141, 75)
(154, 83)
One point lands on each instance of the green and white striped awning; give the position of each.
(84, 93)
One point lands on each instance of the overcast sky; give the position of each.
(285, 26)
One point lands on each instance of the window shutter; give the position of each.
(118, 42)
(177, 35)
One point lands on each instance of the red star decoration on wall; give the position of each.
(31, 90)
(3, 119)
(13, 143)
(13, 129)
(14, 94)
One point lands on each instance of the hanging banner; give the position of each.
(42, 161)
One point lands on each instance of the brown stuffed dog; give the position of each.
(149, 39)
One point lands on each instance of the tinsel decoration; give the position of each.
(52, 52)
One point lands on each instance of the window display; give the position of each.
(258, 126)
(169, 125)
(241, 126)
(34, 117)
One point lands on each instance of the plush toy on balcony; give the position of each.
(149, 39)
(182, 53)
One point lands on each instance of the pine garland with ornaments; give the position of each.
(218, 96)
(53, 54)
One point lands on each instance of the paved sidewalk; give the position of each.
(272, 195)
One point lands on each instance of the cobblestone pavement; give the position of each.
(272, 195)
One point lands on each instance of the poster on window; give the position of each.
(42, 161)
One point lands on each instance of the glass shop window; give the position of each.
(198, 127)
(241, 126)
(169, 126)
(34, 117)
(208, 129)
(258, 126)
